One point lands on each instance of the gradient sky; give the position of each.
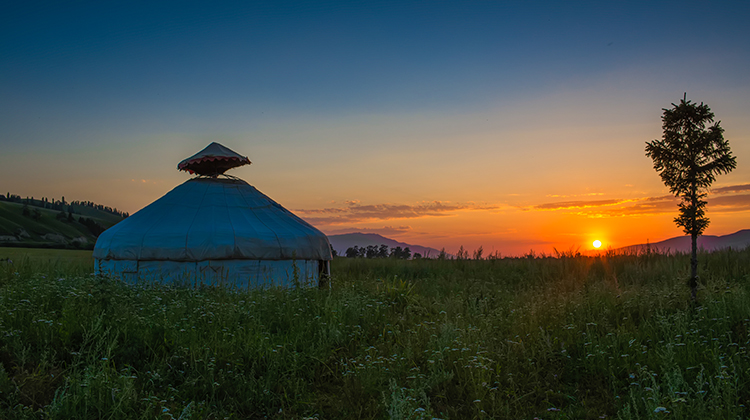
(507, 125)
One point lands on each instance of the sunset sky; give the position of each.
(507, 125)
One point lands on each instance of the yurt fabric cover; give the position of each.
(214, 230)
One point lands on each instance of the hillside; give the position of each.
(42, 228)
(738, 240)
(341, 242)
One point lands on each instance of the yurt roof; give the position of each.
(213, 218)
(213, 160)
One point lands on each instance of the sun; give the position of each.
(597, 243)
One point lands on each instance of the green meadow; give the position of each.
(570, 337)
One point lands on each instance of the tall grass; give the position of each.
(553, 338)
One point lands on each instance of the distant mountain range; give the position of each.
(737, 240)
(342, 242)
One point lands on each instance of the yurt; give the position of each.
(214, 229)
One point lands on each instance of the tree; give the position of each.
(396, 252)
(371, 251)
(688, 158)
(383, 251)
(352, 252)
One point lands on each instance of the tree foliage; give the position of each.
(688, 158)
(374, 251)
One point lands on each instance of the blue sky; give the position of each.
(104, 60)
(417, 101)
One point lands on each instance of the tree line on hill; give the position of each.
(60, 205)
(92, 225)
(382, 251)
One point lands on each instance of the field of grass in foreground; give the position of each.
(565, 338)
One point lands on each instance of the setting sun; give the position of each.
(597, 243)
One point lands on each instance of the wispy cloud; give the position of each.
(345, 217)
(730, 203)
(577, 204)
(731, 189)
(648, 205)
(724, 202)
(385, 230)
(573, 195)
(358, 213)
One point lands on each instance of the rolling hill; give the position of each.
(341, 242)
(42, 227)
(737, 240)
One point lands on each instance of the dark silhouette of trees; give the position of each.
(34, 214)
(383, 251)
(403, 254)
(352, 252)
(688, 158)
(374, 251)
(95, 228)
(61, 205)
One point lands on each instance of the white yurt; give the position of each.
(214, 229)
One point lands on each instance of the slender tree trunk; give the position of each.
(694, 241)
(694, 268)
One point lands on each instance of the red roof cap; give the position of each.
(215, 159)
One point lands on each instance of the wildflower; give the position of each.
(661, 410)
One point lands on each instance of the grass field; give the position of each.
(550, 338)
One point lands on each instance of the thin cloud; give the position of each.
(577, 204)
(730, 203)
(573, 195)
(731, 189)
(668, 205)
(648, 205)
(358, 213)
(385, 230)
